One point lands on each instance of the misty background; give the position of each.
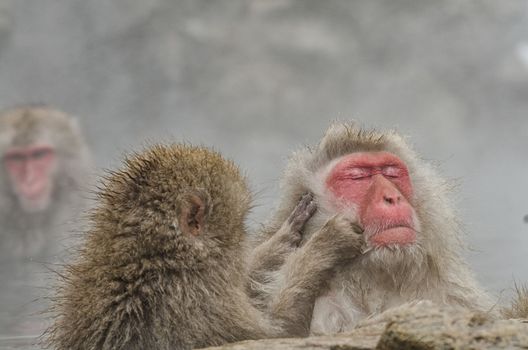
(256, 79)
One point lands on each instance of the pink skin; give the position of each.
(378, 184)
(29, 169)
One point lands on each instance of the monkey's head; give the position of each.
(36, 146)
(178, 202)
(377, 181)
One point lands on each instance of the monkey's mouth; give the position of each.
(33, 191)
(393, 235)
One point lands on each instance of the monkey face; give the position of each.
(31, 171)
(378, 188)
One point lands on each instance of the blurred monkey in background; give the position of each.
(45, 163)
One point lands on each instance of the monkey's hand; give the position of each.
(291, 230)
(270, 255)
(309, 269)
(289, 235)
(339, 238)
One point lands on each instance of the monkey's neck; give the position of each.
(19, 220)
(377, 286)
(30, 235)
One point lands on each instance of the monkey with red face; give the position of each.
(374, 184)
(45, 162)
(30, 169)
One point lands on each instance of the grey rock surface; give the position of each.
(435, 328)
(420, 326)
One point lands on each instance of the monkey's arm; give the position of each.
(270, 255)
(307, 271)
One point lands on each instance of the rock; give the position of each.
(417, 326)
(430, 327)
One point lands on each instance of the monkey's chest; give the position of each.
(334, 312)
(341, 309)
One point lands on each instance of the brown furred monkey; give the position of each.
(375, 181)
(163, 264)
(44, 165)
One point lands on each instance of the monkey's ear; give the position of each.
(195, 206)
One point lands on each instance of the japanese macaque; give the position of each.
(164, 266)
(375, 182)
(45, 163)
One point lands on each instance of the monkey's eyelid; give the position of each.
(173, 226)
(392, 171)
(357, 173)
(41, 153)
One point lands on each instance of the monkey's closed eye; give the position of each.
(357, 173)
(41, 153)
(392, 171)
(14, 157)
(172, 226)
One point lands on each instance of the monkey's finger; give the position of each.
(298, 222)
(307, 214)
(308, 196)
(301, 207)
(311, 208)
(305, 200)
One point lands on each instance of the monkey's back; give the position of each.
(139, 282)
(156, 310)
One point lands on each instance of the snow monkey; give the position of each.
(375, 182)
(45, 162)
(164, 266)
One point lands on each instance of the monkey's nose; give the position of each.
(392, 199)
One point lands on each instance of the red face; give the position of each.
(30, 170)
(377, 184)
